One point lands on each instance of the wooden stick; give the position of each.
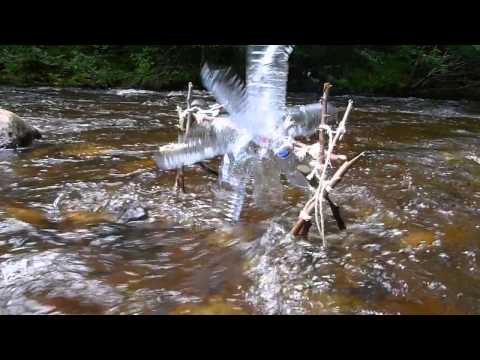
(336, 213)
(303, 223)
(333, 207)
(342, 170)
(180, 178)
(189, 105)
(321, 136)
(323, 162)
(323, 185)
(208, 169)
(301, 228)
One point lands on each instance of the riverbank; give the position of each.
(451, 72)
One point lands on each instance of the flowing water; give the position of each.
(89, 226)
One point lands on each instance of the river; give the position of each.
(411, 206)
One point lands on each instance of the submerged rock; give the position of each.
(15, 132)
(132, 212)
(87, 203)
(82, 218)
(28, 215)
(415, 238)
(199, 103)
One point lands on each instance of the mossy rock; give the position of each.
(15, 132)
(416, 237)
(78, 219)
(28, 215)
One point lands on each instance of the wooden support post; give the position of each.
(180, 177)
(321, 136)
(319, 180)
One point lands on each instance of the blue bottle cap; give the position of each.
(283, 153)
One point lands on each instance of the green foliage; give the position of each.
(144, 65)
(386, 70)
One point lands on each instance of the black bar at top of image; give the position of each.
(242, 23)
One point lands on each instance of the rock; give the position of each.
(415, 238)
(15, 132)
(82, 218)
(28, 215)
(93, 203)
(199, 103)
(304, 169)
(133, 213)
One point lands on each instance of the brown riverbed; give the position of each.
(411, 206)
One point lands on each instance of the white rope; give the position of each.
(305, 216)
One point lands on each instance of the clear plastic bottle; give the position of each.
(267, 186)
(202, 144)
(235, 174)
